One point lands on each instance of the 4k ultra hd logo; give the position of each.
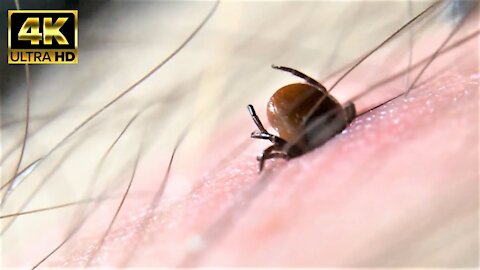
(42, 36)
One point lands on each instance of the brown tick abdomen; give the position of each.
(288, 110)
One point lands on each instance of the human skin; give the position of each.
(370, 197)
(397, 188)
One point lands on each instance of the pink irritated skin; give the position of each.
(397, 188)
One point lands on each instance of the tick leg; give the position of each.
(263, 134)
(256, 119)
(267, 136)
(273, 151)
(302, 75)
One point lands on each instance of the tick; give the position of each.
(305, 116)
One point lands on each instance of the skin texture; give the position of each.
(398, 188)
(367, 198)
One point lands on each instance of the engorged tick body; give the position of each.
(305, 116)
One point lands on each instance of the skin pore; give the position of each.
(397, 188)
